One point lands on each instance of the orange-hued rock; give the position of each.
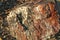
(23, 36)
(20, 27)
(52, 19)
(34, 23)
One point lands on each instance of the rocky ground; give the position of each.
(21, 20)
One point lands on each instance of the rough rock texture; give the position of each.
(32, 20)
(33, 23)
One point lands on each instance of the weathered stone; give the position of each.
(30, 20)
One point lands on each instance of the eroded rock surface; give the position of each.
(33, 23)
(29, 20)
